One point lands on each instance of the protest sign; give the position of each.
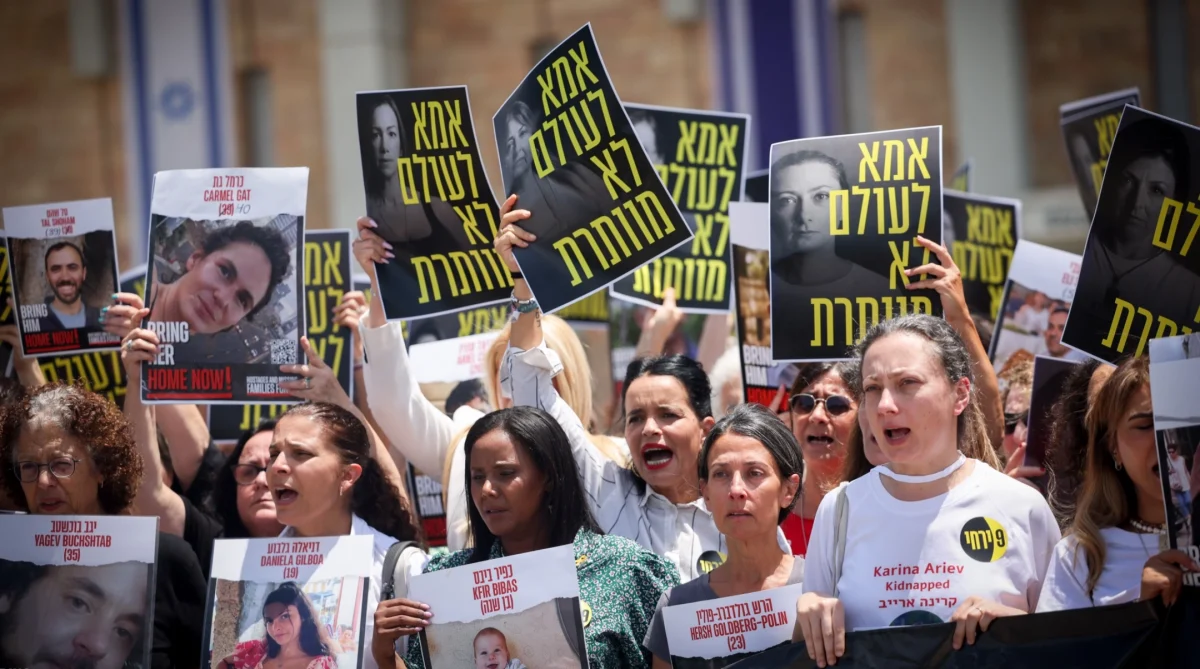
(256, 581)
(525, 607)
(716, 633)
(961, 179)
(60, 574)
(1174, 387)
(426, 495)
(451, 360)
(429, 195)
(700, 157)
(839, 247)
(570, 153)
(981, 233)
(326, 280)
(1037, 296)
(224, 288)
(63, 271)
(1088, 129)
(1049, 377)
(1140, 277)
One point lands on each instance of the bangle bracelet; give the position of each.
(517, 275)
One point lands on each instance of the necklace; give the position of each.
(927, 478)
(1147, 528)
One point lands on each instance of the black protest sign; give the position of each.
(571, 155)
(700, 156)
(426, 494)
(591, 309)
(1088, 128)
(757, 186)
(6, 310)
(982, 235)
(428, 193)
(1140, 277)
(961, 179)
(326, 280)
(845, 214)
(1050, 376)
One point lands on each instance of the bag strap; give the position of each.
(841, 520)
(391, 562)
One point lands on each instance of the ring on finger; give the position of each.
(128, 344)
(307, 383)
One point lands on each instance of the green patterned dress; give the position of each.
(619, 586)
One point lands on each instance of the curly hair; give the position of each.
(267, 239)
(374, 498)
(90, 418)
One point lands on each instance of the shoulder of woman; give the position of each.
(324, 662)
(447, 561)
(1013, 489)
(611, 550)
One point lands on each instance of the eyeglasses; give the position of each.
(835, 405)
(1012, 420)
(247, 474)
(61, 468)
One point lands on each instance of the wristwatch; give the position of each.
(524, 306)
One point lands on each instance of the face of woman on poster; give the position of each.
(57, 475)
(385, 139)
(800, 199)
(822, 421)
(221, 288)
(1141, 189)
(255, 504)
(506, 486)
(1136, 449)
(282, 622)
(745, 490)
(516, 147)
(308, 479)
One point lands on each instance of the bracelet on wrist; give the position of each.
(523, 306)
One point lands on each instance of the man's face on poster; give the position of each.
(1053, 334)
(76, 618)
(65, 273)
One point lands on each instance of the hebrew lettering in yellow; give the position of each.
(562, 246)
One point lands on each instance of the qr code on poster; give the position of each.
(283, 352)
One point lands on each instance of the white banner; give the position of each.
(58, 219)
(85, 541)
(451, 360)
(727, 626)
(293, 559)
(234, 192)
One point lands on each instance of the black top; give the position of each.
(200, 530)
(179, 596)
(200, 492)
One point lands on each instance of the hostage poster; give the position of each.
(1037, 298)
(1088, 128)
(700, 157)
(63, 269)
(570, 153)
(262, 591)
(428, 193)
(1174, 387)
(326, 280)
(224, 287)
(1141, 266)
(64, 577)
(524, 609)
(981, 233)
(716, 633)
(845, 214)
(6, 310)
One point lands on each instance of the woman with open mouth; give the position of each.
(749, 477)
(1115, 550)
(933, 535)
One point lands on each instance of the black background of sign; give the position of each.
(1080, 123)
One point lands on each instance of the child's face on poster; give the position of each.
(491, 651)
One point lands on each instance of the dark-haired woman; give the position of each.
(295, 638)
(525, 495)
(749, 472)
(68, 451)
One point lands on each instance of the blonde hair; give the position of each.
(1107, 497)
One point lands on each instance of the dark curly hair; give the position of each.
(373, 498)
(225, 487)
(95, 422)
(267, 239)
(1066, 447)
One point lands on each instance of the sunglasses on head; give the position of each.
(1011, 420)
(835, 405)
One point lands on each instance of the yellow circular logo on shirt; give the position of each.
(709, 560)
(984, 539)
(585, 610)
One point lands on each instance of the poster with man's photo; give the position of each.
(845, 214)
(1088, 129)
(301, 598)
(63, 269)
(700, 157)
(225, 288)
(429, 196)
(1037, 298)
(981, 233)
(519, 611)
(1141, 264)
(63, 578)
(570, 154)
(326, 281)
(718, 632)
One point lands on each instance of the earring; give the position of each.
(1117, 463)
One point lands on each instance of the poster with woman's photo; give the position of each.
(763, 381)
(519, 611)
(63, 269)
(845, 214)
(63, 578)
(700, 157)
(1141, 264)
(225, 288)
(1088, 128)
(571, 155)
(429, 195)
(288, 597)
(1174, 386)
(981, 233)
(326, 280)
(1037, 298)
(718, 632)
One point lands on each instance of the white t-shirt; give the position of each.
(1120, 581)
(912, 563)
